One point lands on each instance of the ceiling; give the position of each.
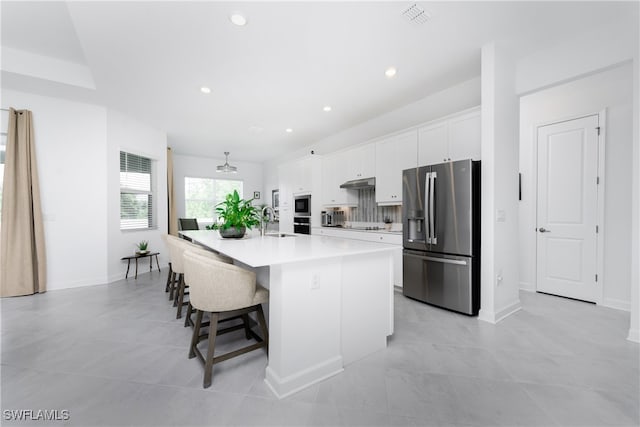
(150, 59)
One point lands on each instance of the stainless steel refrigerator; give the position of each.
(441, 235)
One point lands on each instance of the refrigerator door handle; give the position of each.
(432, 216)
(427, 192)
(441, 260)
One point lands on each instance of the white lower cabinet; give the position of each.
(369, 236)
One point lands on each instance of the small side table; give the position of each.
(136, 257)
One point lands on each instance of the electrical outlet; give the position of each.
(315, 281)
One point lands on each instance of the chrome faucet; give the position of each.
(263, 226)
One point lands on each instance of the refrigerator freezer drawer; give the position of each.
(443, 280)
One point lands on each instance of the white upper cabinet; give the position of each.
(393, 155)
(454, 138)
(334, 173)
(433, 144)
(300, 176)
(360, 162)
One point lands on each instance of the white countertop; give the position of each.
(256, 251)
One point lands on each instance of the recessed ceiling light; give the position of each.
(288, 130)
(205, 89)
(238, 19)
(390, 72)
(327, 108)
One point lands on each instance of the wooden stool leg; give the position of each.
(177, 290)
(263, 327)
(208, 366)
(181, 297)
(166, 288)
(247, 324)
(187, 320)
(172, 285)
(196, 335)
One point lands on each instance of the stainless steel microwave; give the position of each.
(302, 205)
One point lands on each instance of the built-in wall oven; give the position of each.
(302, 224)
(302, 205)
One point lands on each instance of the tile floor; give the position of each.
(116, 355)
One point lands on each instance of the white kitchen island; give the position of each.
(330, 301)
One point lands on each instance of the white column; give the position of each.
(499, 250)
(634, 327)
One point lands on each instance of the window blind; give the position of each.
(136, 192)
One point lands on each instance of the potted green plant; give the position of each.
(142, 247)
(235, 216)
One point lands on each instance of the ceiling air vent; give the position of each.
(416, 14)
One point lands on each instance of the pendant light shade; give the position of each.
(226, 168)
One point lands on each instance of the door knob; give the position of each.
(543, 230)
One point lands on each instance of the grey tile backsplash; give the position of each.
(369, 211)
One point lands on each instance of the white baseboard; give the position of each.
(526, 286)
(634, 335)
(496, 316)
(77, 283)
(618, 304)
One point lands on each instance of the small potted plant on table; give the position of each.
(142, 247)
(235, 216)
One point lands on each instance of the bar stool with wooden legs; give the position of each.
(172, 281)
(223, 290)
(209, 254)
(170, 278)
(176, 249)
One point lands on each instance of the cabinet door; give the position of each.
(393, 155)
(301, 176)
(360, 162)
(334, 174)
(433, 144)
(285, 179)
(464, 137)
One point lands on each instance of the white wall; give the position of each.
(499, 245)
(77, 149)
(71, 147)
(610, 90)
(584, 53)
(451, 100)
(126, 134)
(203, 167)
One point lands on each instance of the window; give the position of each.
(136, 192)
(201, 195)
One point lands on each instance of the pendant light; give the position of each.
(227, 168)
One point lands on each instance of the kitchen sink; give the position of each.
(279, 235)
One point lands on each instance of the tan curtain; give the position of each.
(23, 263)
(173, 217)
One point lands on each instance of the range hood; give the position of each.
(358, 184)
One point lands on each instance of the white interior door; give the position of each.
(567, 208)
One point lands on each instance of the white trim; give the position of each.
(283, 387)
(497, 316)
(617, 304)
(634, 335)
(600, 197)
(528, 287)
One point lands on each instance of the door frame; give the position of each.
(600, 197)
